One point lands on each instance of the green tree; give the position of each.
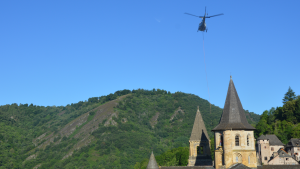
(289, 96)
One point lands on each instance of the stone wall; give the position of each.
(243, 153)
(200, 158)
(296, 153)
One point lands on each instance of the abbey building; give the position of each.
(235, 145)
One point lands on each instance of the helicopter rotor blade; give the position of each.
(194, 15)
(214, 15)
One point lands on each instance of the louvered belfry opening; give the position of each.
(248, 141)
(237, 140)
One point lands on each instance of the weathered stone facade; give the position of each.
(230, 153)
(295, 152)
(266, 146)
(293, 148)
(281, 157)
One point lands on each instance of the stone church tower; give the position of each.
(199, 143)
(234, 136)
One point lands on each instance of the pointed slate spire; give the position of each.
(152, 162)
(233, 116)
(199, 131)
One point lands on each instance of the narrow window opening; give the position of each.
(221, 140)
(237, 140)
(266, 158)
(272, 148)
(248, 141)
(201, 149)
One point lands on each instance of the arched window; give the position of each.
(237, 140)
(248, 144)
(238, 158)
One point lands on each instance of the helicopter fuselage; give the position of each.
(202, 25)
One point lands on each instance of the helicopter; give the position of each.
(202, 25)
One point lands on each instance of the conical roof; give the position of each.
(199, 131)
(152, 162)
(233, 116)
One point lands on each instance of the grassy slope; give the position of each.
(101, 134)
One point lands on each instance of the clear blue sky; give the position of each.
(62, 52)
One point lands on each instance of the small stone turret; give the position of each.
(199, 144)
(152, 162)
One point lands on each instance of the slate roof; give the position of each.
(152, 162)
(283, 153)
(238, 166)
(233, 116)
(273, 139)
(199, 131)
(294, 142)
(262, 137)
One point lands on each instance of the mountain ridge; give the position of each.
(92, 133)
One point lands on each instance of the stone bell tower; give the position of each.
(199, 144)
(234, 136)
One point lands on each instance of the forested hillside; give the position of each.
(113, 131)
(282, 121)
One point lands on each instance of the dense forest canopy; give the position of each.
(143, 120)
(282, 121)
